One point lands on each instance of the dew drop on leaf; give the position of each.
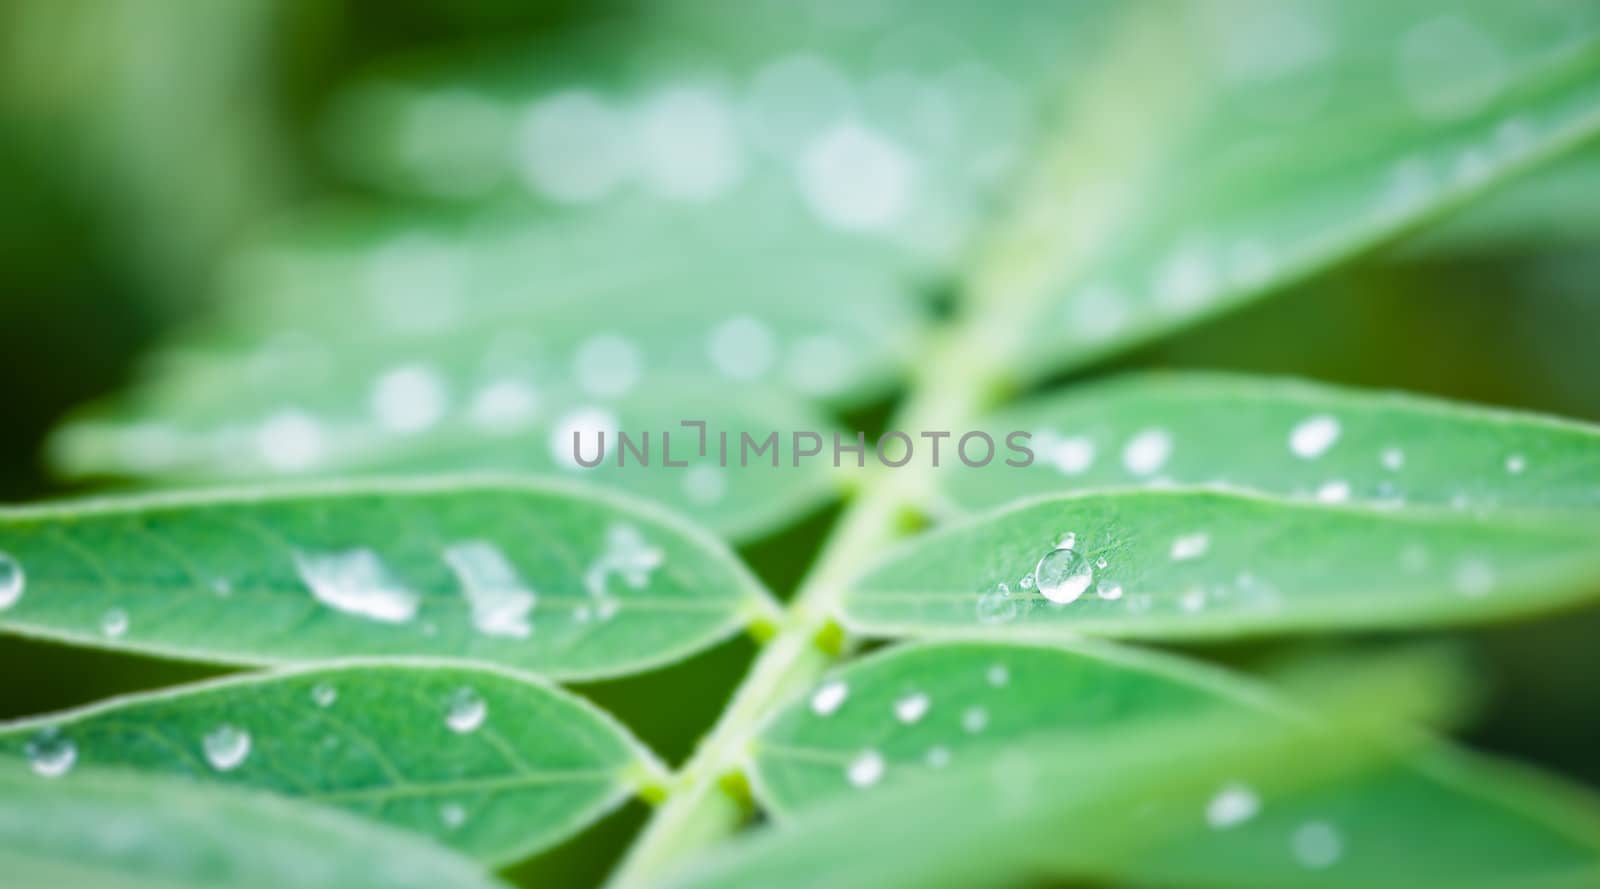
(1233, 804)
(1108, 589)
(1062, 575)
(226, 747)
(1393, 459)
(975, 719)
(1516, 463)
(829, 697)
(1317, 845)
(866, 769)
(12, 580)
(50, 753)
(114, 623)
(1147, 451)
(997, 675)
(356, 582)
(465, 711)
(453, 815)
(323, 694)
(911, 708)
(1313, 436)
(499, 601)
(1190, 546)
(937, 757)
(996, 606)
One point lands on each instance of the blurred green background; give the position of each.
(144, 142)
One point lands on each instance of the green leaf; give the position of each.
(1436, 817)
(328, 430)
(1294, 439)
(1227, 185)
(494, 763)
(1193, 563)
(548, 578)
(121, 831)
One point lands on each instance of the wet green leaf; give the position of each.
(547, 578)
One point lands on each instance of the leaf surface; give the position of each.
(548, 578)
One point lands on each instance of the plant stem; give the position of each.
(701, 808)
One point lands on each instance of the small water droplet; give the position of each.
(996, 606)
(408, 399)
(1109, 590)
(1474, 578)
(1317, 845)
(1063, 575)
(226, 747)
(1233, 804)
(50, 753)
(1071, 456)
(975, 719)
(1100, 562)
(1067, 540)
(114, 623)
(911, 708)
(323, 694)
(465, 711)
(1515, 463)
(222, 586)
(1313, 436)
(453, 815)
(1026, 582)
(1193, 600)
(1147, 451)
(998, 675)
(1335, 491)
(12, 580)
(828, 698)
(937, 757)
(1190, 546)
(1393, 459)
(866, 769)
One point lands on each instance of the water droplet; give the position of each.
(828, 698)
(1190, 546)
(226, 747)
(1474, 578)
(705, 484)
(114, 623)
(1062, 575)
(1067, 540)
(465, 711)
(1516, 463)
(1335, 491)
(1317, 845)
(1026, 582)
(499, 600)
(222, 587)
(1233, 804)
(911, 708)
(1313, 436)
(323, 694)
(50, 753)
(1193, 600)
(997, 675)
(453, 815)
(1109, 590)
(12, 580)
(866, 769)
(409, 398)
(1101, 562)
(290, 441)
(996, 606)
(1147, 451)
(627, 555)
(937, 757)
(504, 406)
(856, 178)
(607, 365)
(1072, 456)
(742, 348)
(575, 147)
(974, 719)
(1393, 459)
(356, 582)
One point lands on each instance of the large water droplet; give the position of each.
(12, 580)
(1062, 575)
(356, 582)
(226, 747)
(866, 769)
(828, 698)
(465, 711)
(499, 600)
(50, 753)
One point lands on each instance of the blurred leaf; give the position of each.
(496, 764)
(1197, 563)
(120, 831)
(555, 580)
(1273, 141)
(1046, 735)
(1294, 439)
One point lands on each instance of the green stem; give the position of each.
(706, 801)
